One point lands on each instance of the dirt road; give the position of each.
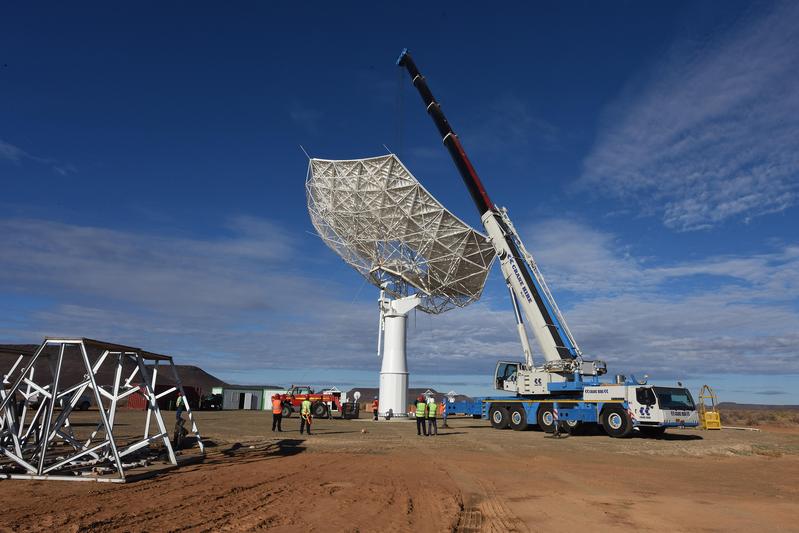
(470, 478)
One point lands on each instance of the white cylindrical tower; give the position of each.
(394, 372)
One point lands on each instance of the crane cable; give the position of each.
(398, 112)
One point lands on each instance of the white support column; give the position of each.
(394, 372)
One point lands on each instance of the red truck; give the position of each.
(324, 404)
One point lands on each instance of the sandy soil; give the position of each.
(470, 478)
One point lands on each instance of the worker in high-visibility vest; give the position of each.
(305, 416)
(180, 406)
(375, 407)
(421, 411)
(432, 424)
(277, 413)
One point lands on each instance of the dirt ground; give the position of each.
(470, 478)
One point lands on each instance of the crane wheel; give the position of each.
(518, 418)
(499, 416)
(616, 422)
(574, 427)
(545, 417)
(287, 411)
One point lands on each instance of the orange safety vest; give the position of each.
(374, 405)
(277, 407)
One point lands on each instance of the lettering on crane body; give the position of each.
(607, 392)
(518, 274)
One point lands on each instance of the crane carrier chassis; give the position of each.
(618, 408)
(565, 391)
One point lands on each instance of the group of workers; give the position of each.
(426, 411)
(277, 415)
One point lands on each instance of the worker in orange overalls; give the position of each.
(375, 406)
(277, 413)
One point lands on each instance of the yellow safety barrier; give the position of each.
(709, 419)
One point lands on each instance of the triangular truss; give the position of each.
(38, 441)
(383, 222)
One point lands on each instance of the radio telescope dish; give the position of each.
(381, 221)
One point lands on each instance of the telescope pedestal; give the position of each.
(394, 372)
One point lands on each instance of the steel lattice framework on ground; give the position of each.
(41, 444)
(383, 222)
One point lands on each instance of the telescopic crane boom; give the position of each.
(528, 289)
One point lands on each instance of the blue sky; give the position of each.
(152, 181)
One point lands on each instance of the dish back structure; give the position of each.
(385, 224)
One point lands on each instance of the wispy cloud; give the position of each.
(712, 132)
(228, 301)
(171, 273)
(509, 126)
(16, 155)
(647, 317)
(12, 153)
(235, 303)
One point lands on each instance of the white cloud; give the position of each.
(581, 258)
(712, 132)
(11, 152)
(16, 155)
(743, 317)
(177, 274)
(233, 302)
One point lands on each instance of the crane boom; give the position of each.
(518, 267)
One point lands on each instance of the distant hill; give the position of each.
(73, 369)
(190, 376)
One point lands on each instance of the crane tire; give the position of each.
(287, 411)
(499, 416)
(574, 427)
(616, 422)
(518, 418)
(545, 418)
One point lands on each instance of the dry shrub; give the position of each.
(759, 417)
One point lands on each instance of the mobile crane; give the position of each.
(565, 391)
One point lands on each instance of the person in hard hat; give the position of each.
(421, 410)
(375, 405)
(180, 407)
(432, 423)
(305, 416)
(277, 413)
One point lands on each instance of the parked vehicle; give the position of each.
(211, 402)
(324, 404)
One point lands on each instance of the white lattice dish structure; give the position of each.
(384, 223)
